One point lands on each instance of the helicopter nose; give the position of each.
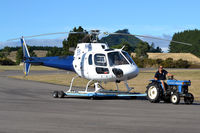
(131, 71)
(134, 71)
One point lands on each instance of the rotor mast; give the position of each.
(94, 35)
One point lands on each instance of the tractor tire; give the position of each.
(154, 93)
(189, 99)
(61, 94)
(175, 98)
(55, 94)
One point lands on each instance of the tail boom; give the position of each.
(65, 62)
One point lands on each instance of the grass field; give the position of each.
(139, 83)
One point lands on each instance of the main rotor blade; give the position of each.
(47, 34)
(144, 36)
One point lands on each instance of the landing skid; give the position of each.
(99, 91)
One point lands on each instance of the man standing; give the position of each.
(161, 75)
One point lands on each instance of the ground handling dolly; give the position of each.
(99, 92)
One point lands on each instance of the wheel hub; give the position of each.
(174, 99)
(152, 92)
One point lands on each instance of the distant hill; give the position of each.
(113, 40)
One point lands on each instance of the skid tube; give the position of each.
(99, 92)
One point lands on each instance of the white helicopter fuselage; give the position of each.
(95, 61)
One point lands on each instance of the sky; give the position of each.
(146, 17)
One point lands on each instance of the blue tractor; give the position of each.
(175, 89)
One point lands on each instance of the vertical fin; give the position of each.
(25, 49)
(26, 57)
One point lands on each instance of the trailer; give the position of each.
(93, 95)
(98, 92)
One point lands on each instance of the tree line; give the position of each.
(131, 43)
(187, 36)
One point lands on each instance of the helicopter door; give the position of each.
(101, 65)
(89, 66)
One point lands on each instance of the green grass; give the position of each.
(139, 83)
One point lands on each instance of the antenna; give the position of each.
(123, 47)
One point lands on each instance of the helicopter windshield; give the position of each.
(116, 58)
(128, 57)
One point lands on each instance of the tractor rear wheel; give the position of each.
(153, 93)
(175, 98)
(189, 99)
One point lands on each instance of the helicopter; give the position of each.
(93, 61)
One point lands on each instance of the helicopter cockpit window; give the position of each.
(100, 60)
(116, 58)
(101, 70)
(128, 57)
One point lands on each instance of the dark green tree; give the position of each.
(19, 56)
(127, 47)
(54, 51)
(169, 63)
(6, 51)
(152, 49)
(73, 40)
(2, 54)
(187, 36)
(141, 50)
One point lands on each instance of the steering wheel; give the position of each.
(170, 77)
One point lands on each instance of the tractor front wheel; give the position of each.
(175, 98)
